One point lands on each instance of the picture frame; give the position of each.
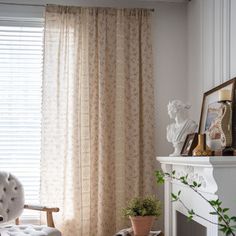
(190, 143)
(210, 111)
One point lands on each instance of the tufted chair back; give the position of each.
(11, 197)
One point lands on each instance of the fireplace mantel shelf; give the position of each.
(211, 161)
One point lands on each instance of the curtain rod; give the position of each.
(38, 5)
(22, 4)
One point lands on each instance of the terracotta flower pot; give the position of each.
(141, 224)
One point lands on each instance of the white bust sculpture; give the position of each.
(177, 132)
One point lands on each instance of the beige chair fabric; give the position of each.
(98, 117)
(28, 230)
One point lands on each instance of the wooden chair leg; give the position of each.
(50, 219)
(17, 221)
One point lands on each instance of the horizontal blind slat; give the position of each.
(21, 62)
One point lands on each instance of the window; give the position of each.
(21, 63)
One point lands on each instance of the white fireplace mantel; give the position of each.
(217, 176)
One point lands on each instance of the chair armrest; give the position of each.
(48, 210)
(41, 208)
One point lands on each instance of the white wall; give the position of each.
(194, 58)
(211, 39)
(170, 65)
(170, 70)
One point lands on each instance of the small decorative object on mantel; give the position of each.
(226, 122)
(218, 118)
(202, 149)
(177, 132)
(190, 143)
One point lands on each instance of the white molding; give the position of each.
(226, 40)
(215, 161)
(168, 205)
(217, 51)
(212, 46)
(215, 42)
(222, 45)
(222, 41)
(233, 39)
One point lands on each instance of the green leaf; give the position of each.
(218, 202)
(225, 209)
(191, 212)
(229, 231)
(195, 183)
(174, 196)
(213, 213)
(223, 229)
(179, 192)
(212, 202)
(142, 206)
(160, 177)
(226, 217)
(190, 218)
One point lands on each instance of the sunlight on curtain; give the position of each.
(98, 116)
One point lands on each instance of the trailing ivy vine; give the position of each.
(226, 223)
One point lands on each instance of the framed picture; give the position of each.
(212, 111)
(190, 143)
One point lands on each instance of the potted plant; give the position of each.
(142, 212)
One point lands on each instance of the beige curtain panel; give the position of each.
(98, 117)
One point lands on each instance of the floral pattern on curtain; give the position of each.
(98, 116)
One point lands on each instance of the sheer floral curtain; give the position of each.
(98, 118)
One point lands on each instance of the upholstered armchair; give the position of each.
(12, 205)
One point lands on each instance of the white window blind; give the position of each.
(21, 63)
